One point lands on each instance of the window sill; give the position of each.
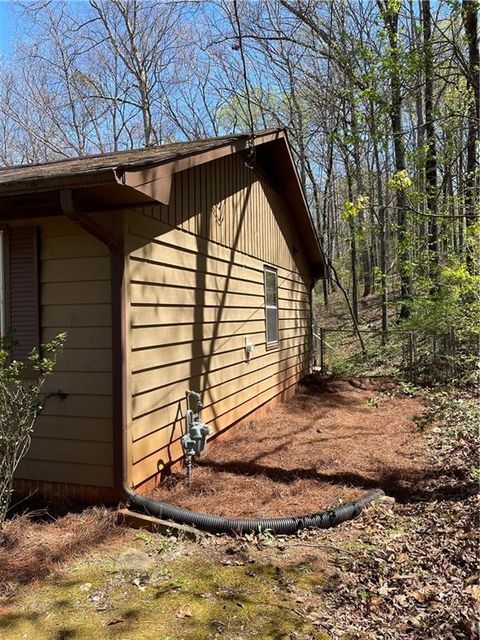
(271, 346)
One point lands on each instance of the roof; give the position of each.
(84, 165)
(142, 176)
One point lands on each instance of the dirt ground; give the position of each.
(334, 441)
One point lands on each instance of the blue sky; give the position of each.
(7, 27)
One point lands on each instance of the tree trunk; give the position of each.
(431, 149)
(382, 220)
(364, 248)
(326, 191)
(353, 248)
(390, 16)
(419, 113)
(472, 189)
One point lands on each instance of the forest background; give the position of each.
(381, 100)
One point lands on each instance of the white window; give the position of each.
(271, 306)
(2, 283)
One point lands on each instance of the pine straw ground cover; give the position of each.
(34, 545)
(331, 443)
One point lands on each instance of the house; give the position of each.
(183, 267)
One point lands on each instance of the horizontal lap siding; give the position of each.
(196, 292)
(73, 436)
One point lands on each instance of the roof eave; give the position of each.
(96, 177)
(152, 180)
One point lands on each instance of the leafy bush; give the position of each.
(21, 400)
(452, 303)
(448, 313)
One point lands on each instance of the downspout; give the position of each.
(119, 325)
(119, 373)
(206, 522)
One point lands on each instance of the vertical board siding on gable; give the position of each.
(73, 436)
(196, 293)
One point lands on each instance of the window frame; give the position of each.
(271, 344)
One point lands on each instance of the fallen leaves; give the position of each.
(474, 591)
(414, 571)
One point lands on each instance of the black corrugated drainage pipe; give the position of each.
(278, 526)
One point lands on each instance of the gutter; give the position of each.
(95, 178)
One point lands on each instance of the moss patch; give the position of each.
(183, 596)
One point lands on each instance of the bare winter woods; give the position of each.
(380, 98)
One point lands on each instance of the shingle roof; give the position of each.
(99, 180)
(107, 161)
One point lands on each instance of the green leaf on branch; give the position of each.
(352, 209)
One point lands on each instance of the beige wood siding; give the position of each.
(73, 436)
(196, 292)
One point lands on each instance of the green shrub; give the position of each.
(21, 400)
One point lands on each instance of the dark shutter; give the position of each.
(23, 303)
